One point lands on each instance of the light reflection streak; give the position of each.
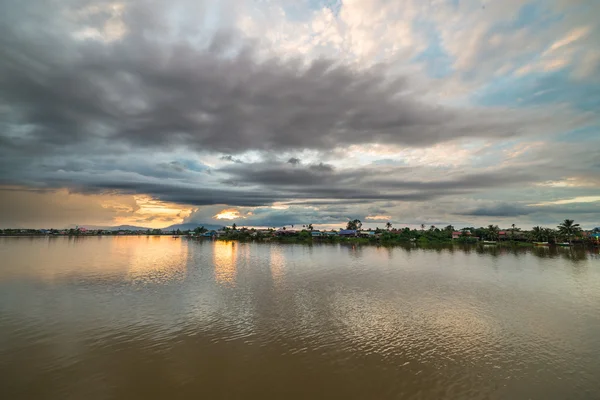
(224, 261)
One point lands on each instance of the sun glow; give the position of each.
(153, 213)
(228, 214)
(379, 217)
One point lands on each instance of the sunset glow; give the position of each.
(228, 214)
(154, 213)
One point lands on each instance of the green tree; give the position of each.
(200, 230)
(493, 232)
(550, 233)
(538, 233)
(569, 228)
(355, 224)
(513, 228)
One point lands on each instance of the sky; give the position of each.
(272, 113)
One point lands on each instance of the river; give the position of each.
(164, 318)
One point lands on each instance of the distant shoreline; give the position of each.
(325, 240)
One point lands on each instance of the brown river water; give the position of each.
(164, 318)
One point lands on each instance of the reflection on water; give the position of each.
(225, 262)
(277, 264)
(152, 259)
(157, 317)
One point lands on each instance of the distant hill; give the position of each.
(182, 227)
(191, 227)
(114, 228)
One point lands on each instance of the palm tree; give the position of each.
(538, 233)
(388, 225)
(493, 232)
(422, 227)
(233, 227)
(513, 228)
(432, 227)
(569, 228)
(550, 233)
(310, 227)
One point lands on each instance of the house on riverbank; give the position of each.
(458, 234)
(510, 235)
(367, 234)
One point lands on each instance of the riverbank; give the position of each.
(385, 239)
(389, 242)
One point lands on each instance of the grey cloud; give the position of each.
(511, 210)
(185, 194)
(146, 90)
(64, 102)
(323, 175)
(173, 166)
(501, 210)
(232, 159)
(282, 174)
(320, 167)
(291, 216)
(497, 178)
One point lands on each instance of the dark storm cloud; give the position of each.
(499, 210)
(232, 159)
(249, 197)
(311, 177)
(511, 210)
(320, 167)
(152, 88)
(283, 174)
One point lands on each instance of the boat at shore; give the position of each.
(541, 244)
(489, 242)
(564, 244)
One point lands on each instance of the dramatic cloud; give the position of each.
(147, 91)
(403, 109)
